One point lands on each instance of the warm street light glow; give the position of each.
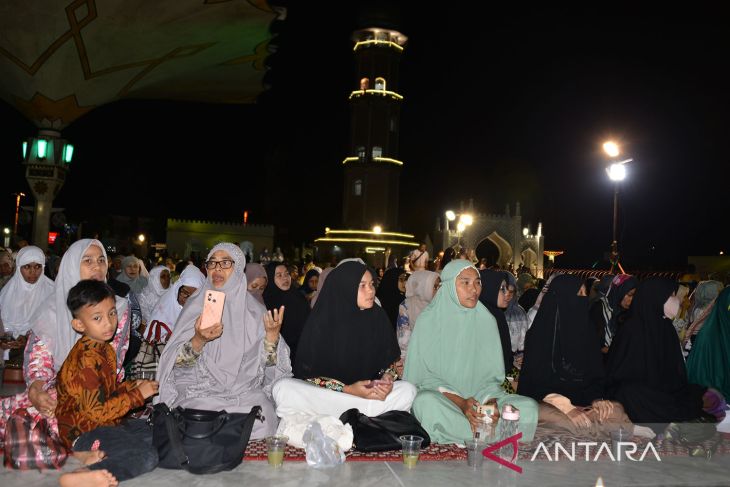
(450, 215)
(467, 219)
(377, 229)
(525, 231)
(616, 172)
(611, 148)
(460, 226)
(6, 231)
(141, 237)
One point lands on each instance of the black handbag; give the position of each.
(200, 441)
(382, 433)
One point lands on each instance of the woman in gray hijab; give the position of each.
(131, 274)
(231, 365)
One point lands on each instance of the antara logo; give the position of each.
(627, 448)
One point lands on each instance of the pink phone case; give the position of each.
(212, 309)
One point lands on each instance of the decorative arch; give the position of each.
(529, 258)
(505, 250)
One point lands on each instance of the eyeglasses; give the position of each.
(223, 264)
(28, 267)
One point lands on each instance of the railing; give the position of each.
(586, 273)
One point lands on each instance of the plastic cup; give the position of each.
(275, 447)
(411, 449)
(617, 437)
(474, 449)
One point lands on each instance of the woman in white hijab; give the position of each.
(24, 294)
(52, 336)
(171, 303)
(131, 274)
(233, 364)
(159, 282)
(421, 287)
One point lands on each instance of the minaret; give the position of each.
(47, 158)
(372, 169)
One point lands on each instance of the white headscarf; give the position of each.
(243, 330)
(152, 293)
(167, 308)
(419, 293)
(53, 323)
(20, 300)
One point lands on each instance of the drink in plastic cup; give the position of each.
(474, 449)
(411, 449)
(275, 446)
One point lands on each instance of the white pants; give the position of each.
(298, 396)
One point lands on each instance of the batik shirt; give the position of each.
(88, 393)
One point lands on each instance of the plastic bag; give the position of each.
(322, 451)
(32, 444)
(294, 426)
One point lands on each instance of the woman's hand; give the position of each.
(209, 334)
(579, 418)
(604, 409)
(41, 399)
(469, 409)
(273, 319)
(364, 389)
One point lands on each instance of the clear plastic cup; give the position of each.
(275, 447)
(474, 449)
(411, 449)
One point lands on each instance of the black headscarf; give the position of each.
(528, 298)
(615, 296)
(304, 288)
(341, 341)
(491, 282)
(296, 308)
(561, 352)
(644, 357)
(389, 295)
(645, 348)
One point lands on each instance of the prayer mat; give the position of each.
(544, 443)
(257, 451)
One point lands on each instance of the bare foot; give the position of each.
(89, 457)
(88, 478)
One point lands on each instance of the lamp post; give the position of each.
(616, 173)
(464, 221)
(17, 210)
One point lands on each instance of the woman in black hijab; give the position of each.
(390, 294)
(494, 298)
(280, 292)
(645, 368)
(348, 349)
(561, 352)
(563, 368)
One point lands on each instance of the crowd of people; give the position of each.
(436, 337)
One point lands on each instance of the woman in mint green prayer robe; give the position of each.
(455, 361)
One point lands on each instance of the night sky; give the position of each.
(499, 106)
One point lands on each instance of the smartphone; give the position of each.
(212, 309)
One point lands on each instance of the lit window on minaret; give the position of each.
(380, 84)
(357, 187)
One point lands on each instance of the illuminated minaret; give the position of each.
(372, 169)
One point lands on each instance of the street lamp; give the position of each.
(17, 210)
(616, 173)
